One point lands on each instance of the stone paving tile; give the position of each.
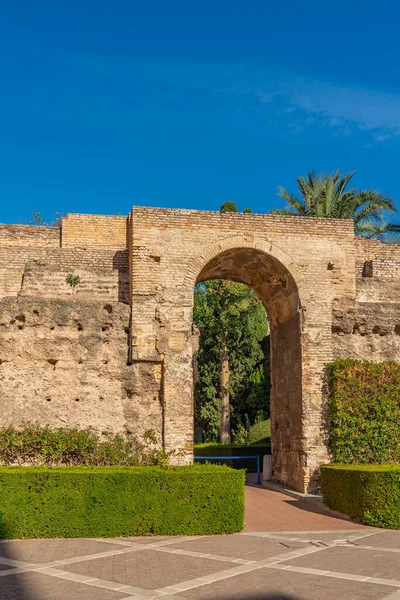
(36, 586)
(322, 537)
(371, 563)
(252, 548)
(150, 539)
(47, 550)
(384, 539)
(267, 584)
(147, 568)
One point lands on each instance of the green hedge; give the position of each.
(232, 450)
(41, 502)
(367, 492)
(365, 411)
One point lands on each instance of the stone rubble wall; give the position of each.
(64, 351)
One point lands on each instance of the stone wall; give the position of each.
(64, 352)
(30, 235)
(116, 351)
(94, 231)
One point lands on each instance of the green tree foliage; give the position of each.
(229, 315)
(228, 207)
(328, 196)
(248, 210)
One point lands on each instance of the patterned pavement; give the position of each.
(289, 550)
(316, 565)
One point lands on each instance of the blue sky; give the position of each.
(186, 104)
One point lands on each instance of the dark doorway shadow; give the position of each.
(121, 264)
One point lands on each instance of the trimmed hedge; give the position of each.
(234, 450)
(43, 502)
(370, 493)
(365, 411)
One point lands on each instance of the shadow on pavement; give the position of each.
(320, 510)
(11, 585)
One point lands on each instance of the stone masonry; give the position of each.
(116, 350)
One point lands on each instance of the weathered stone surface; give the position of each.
(117, 351)
(64, 362)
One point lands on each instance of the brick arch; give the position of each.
(278, 282)
(197, 264)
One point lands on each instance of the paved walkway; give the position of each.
(358, 565)
(272, 511)
(333, 558)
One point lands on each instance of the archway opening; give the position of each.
(276, 288)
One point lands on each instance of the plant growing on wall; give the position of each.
(73, 280)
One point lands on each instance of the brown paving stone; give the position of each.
(272, 511)
(147, 568)
(327, 538)
(150, 539)
(372, 563)
(385, 539)
(36, 586)
(252, 548)
(267, 584)
(47, 550)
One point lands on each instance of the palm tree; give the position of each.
(328, 196)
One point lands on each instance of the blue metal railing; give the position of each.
(234, 458)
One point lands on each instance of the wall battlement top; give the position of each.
(30, 236)
(279, 224)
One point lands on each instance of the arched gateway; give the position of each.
(115, 351)
(298, 268)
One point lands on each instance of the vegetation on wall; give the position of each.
(73, 280)
(34, 444)
(37, 220)
(365, 411)
(37, 502)
(367, 492)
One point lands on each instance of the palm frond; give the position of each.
(385, 231)
(283, 211)
(376, 198)
(329, 196)
(294, 203)
(343, 182)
